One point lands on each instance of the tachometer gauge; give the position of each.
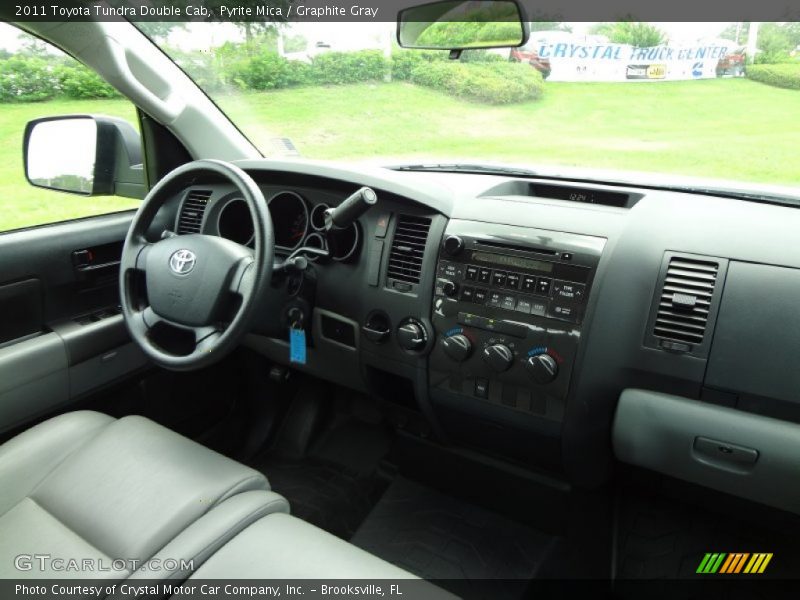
(289, 219)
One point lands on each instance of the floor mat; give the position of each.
(474, 552)
(335, 483)
(660, 538)
(324, 494)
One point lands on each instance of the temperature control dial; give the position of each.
(499, 357)
(458, 347)
(542, 368)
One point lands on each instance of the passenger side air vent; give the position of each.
(686, 303)
(192, 210)
(408, 248)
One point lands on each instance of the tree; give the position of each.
(775, 40)
(774, 44)
(255, 29)
(295, 43)
(549, 26)
(640, 35)
(159, 30)
(31, 46)
(736, 32)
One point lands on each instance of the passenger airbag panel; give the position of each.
(758, 333)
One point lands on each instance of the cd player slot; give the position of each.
(506, 246)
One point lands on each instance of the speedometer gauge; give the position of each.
(289, 219)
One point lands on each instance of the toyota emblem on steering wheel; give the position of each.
(182, 261)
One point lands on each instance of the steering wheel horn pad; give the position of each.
(190, 277)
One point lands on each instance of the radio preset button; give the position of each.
(471, 273)
(529, 283)
(484, 275)
(499, 278)
(512, 280)
(543, 285)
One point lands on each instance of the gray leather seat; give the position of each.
(86, 486)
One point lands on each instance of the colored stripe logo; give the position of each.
(734, 563)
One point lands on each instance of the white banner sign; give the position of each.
(573, 61)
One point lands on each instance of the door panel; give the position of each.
(23, 299)
(61, 335)
(33, 378)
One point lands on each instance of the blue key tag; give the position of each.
(297, 345)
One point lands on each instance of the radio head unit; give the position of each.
(508, 309)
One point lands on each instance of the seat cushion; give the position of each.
(85, 485)
(28, 458)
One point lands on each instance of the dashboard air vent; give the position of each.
(685, 303)
(408, 248)
(192, 210)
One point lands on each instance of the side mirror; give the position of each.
(458, 25)
(84, 154)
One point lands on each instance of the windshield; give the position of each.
(706, 100)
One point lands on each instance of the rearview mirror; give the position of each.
(84, 154)
(461, 25)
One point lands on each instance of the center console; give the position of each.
(508, 311)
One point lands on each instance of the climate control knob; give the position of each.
(450, 288)
(499, 357)
(411, 335)
(542, 368)
(458, 347)
(453, 245)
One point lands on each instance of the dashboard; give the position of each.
(555, 324)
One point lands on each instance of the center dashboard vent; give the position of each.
(408, 248)
(193, 208)
(686, 304)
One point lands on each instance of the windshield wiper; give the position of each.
(467, 168)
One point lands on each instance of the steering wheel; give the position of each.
(203, 284)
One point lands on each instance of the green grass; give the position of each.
(726, 128)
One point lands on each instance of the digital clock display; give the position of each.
(576, 194)
(517, 262)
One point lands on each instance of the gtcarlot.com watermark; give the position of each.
(56, 564)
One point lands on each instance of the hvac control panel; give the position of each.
(508, 308)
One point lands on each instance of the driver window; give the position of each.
(38, 80)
